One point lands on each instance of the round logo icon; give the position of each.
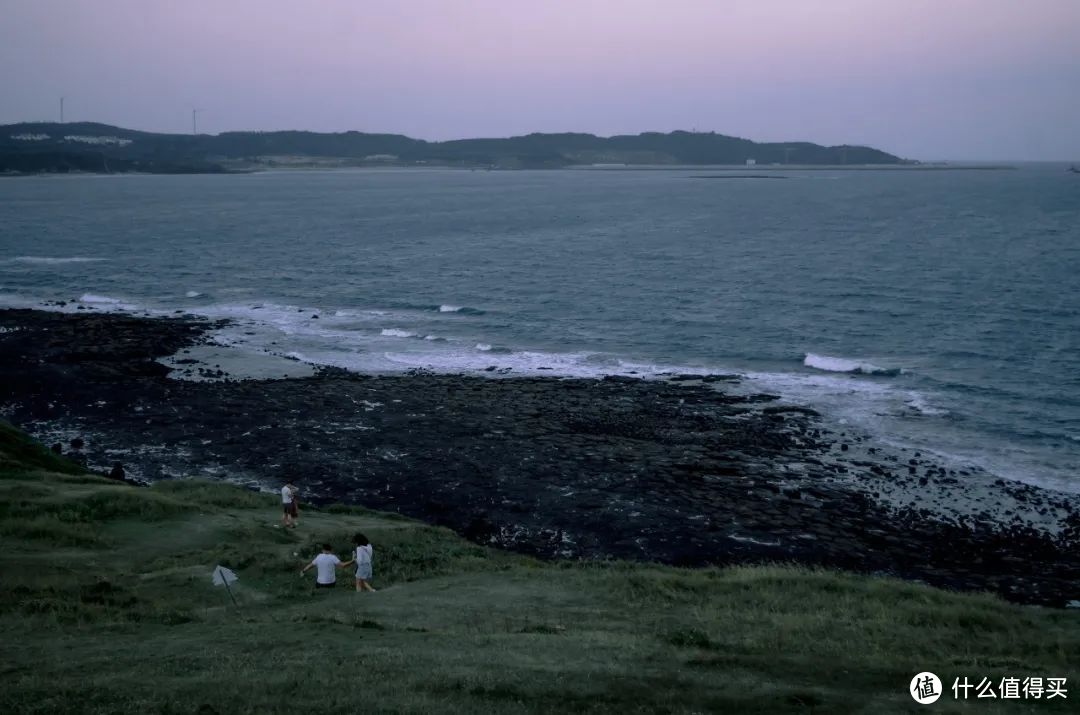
(925, 688)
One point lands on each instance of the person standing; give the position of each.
(325, 563)
(362, 556)
(290, 514)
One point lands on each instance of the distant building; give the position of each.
(751, 162)
(97, 140)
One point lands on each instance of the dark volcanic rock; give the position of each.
(628, 468)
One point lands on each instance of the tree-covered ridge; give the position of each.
(150, 151)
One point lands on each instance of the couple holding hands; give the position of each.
(327, 562)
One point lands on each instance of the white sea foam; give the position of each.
(273, 326)
(453, 357)
(472, 361)
(801, 386)
(351, 313)
(873, 404)
(919, 403)
(106, 302)
(486, 348)
(92, 298)
(193, 294)
(462, 309)
(397, 333)
(103, 302)
(848, 365)
(273, 314)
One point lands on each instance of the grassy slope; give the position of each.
(107, 606)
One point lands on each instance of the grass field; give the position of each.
(107, 606)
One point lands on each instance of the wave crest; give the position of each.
(919, 405)
(498, 349)
(847, 365)
(463, 309)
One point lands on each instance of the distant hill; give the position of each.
(86, 146)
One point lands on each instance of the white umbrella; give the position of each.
(223, 577)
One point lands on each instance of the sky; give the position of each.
(924, 79)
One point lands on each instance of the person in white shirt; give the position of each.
(290, 515)
(325, 565)
(362, 554)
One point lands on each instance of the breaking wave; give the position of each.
(920, 405)
(497, 349)
(846, 365)
(460, 309)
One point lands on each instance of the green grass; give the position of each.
(106, 606)
(19, 453)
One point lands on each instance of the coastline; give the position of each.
(678, 471)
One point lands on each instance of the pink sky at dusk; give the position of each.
(926, 79)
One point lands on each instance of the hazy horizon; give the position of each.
(973, 80)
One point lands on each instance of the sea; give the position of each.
(934, 309)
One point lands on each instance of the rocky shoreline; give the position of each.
(688, 470)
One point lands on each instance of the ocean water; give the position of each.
(935, 309)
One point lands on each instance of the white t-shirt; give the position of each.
(286, 495)
(326, 563)
(363, 554)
